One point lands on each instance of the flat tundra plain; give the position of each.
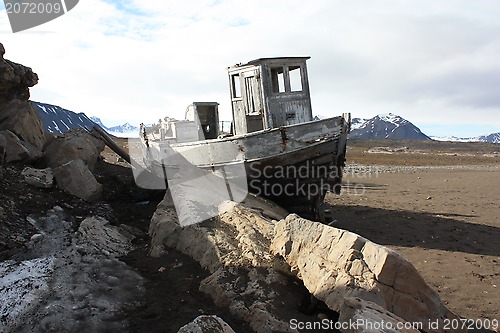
(436, 203)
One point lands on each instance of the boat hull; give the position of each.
(295, 166)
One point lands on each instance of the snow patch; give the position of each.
(69, 282)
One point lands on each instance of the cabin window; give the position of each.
(286, 79)
(278, 79)
(236, 85)
(295, 78)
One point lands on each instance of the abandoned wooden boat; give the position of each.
(275, 148)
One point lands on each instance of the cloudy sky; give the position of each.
(435, 63)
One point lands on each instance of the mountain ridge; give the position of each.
(57, 120)
(385, 126)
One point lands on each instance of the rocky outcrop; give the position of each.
(245, 277)
(17, 150)
(16, 112)
(212, 324)
(42, 178)
(75, 178)
(336, 264)
(76, 144)
(21, 118)
(15, 79)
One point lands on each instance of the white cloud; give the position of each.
(139, 60)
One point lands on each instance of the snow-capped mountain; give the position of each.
(58, 120)
(97, 121)
(385, 126)
(491, 138)
(117, 130)
(453, 139)
(356, 123)
(125, 128)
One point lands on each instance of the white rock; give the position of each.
(358, 316)
(97, 233)
(234, 248)
(43, 178)
(203, 324)
(336, 264)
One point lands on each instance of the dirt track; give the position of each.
(438, 205)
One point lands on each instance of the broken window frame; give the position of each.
(276, 71)
(236, 93)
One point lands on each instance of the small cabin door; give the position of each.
(252, 96)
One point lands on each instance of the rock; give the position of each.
(34, 153)
(16, 113)
(234, 248)
(211, 243)
(3, 156)
(358, 316)
(16, 150)
(75, 178)
(96, 233)
(15, 79)
(43, 178)
(336, 264)
(21, 119)
(75, 144)
(212, 324)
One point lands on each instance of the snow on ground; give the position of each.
(69, 281)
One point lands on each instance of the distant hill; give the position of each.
(385, 126)
(58, 120)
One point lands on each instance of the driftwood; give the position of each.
(100, 133)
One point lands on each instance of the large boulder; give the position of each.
(75, 178)
(16, 112)
(233, 247)
(336, 264)
(21, 118)
(76, 144)
(16, 150)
